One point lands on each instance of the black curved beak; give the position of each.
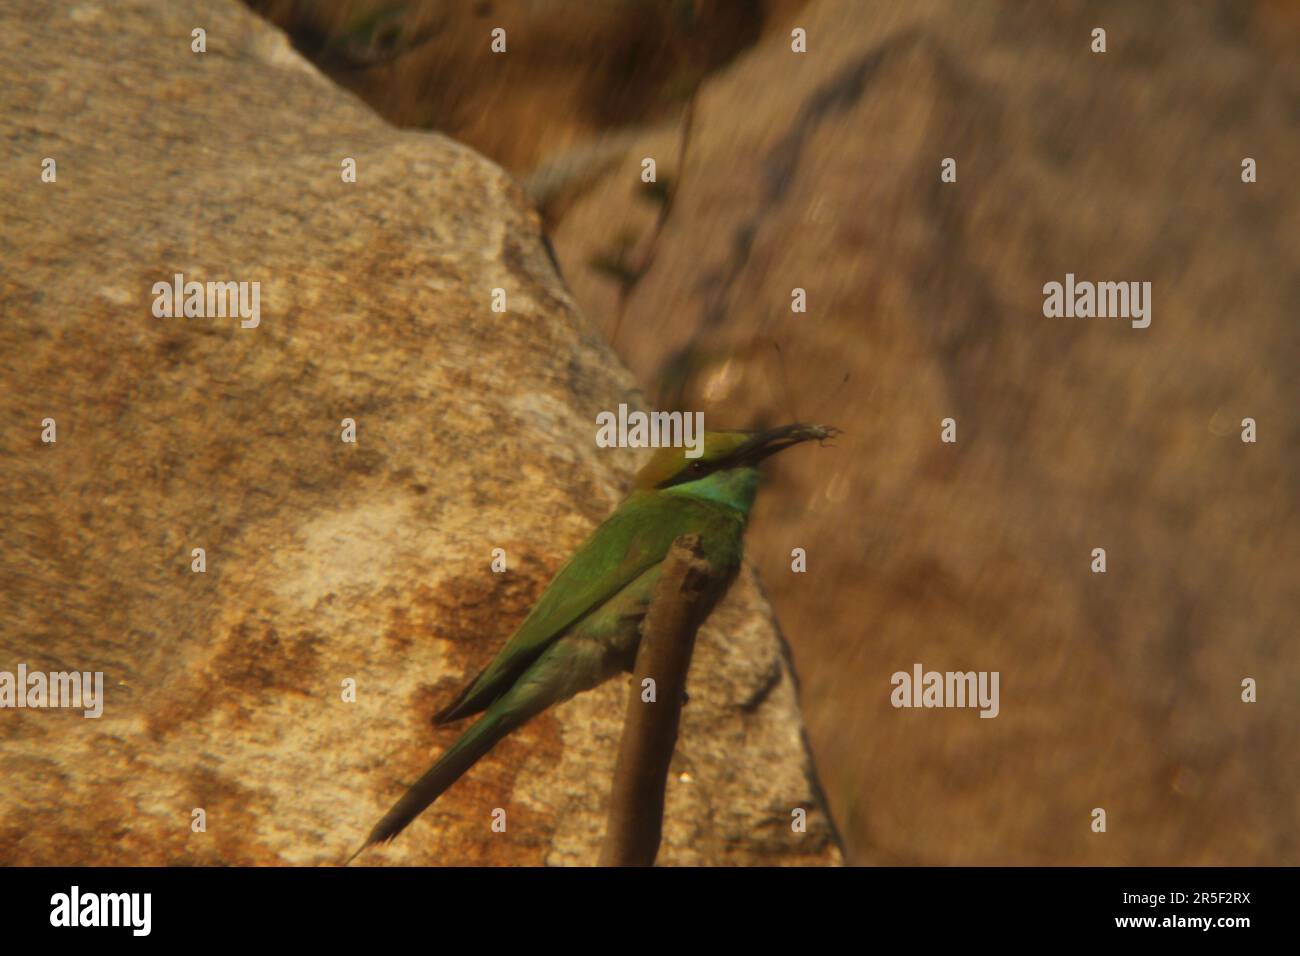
(769, 442)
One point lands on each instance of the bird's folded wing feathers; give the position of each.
(632, 539)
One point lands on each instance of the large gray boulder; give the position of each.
(325, 561)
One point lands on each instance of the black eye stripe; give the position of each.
(692, 471)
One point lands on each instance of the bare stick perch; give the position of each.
(636, 803)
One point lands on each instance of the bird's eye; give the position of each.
(697, 466)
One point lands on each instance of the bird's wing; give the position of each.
(632, 539)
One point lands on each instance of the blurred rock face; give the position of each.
(821, 172)
(325, 561)
(568, 70)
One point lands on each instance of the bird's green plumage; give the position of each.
(586, 626)
(636, 537)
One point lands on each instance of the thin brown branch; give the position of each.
(636, 802)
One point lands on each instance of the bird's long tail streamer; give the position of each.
(463, 754)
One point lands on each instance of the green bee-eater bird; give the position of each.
(587, 625)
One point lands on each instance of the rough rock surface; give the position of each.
(325, 560)
(821, 171)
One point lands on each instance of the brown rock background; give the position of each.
(1118, 691)
(570, 71)
(821, 172)
(325, 561)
